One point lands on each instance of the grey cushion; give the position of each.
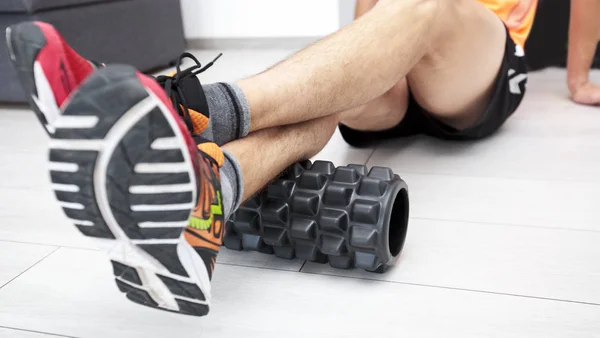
(10, 88)
(33, 6)
(147, 34)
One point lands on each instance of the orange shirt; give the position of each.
(518, 15)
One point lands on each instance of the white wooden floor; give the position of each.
(504, 241)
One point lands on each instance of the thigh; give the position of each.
(391, 116)
(454, 81)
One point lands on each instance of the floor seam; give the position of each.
(532, 179)
(29, 268)
(459, 289)
(423, 285)
(34, 331)
(258, 267)
(44, 244)
(503, 224)
(370, 155)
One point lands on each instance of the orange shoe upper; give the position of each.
(207, 223)
(199, 120)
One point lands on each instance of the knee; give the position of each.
(430, 12)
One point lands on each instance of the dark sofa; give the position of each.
(147, 34)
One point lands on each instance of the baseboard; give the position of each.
(252, 43)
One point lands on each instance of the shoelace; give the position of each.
(171, 84)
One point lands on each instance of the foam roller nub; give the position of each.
(349, 217)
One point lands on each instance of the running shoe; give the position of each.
(126, 170)
(127, 173)
(48, 68)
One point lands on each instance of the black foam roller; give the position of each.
(349, 217)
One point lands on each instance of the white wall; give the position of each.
(206, 19)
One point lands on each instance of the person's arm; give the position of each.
(584, 34)
(363, 6)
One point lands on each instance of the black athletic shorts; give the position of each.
(508, 92)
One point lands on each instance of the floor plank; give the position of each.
(557, 204)
(528, 261)
(539, 158)
(14, 333)
(548, 137)
(15, 258)
(71, 293)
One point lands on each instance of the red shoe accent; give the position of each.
(151, 84)
(63, 67)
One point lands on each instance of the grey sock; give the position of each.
(229, 113)
(232, 184)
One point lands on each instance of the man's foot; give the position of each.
(48, 68)
(127, 173)
(185, 91)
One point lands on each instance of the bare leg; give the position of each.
(319, 81)
(279, 148)
(347, 69)
(382, 113)
(450, 54)
(584, 35)
(454, 78)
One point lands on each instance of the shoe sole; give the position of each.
(26, 42)
(123, 170)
